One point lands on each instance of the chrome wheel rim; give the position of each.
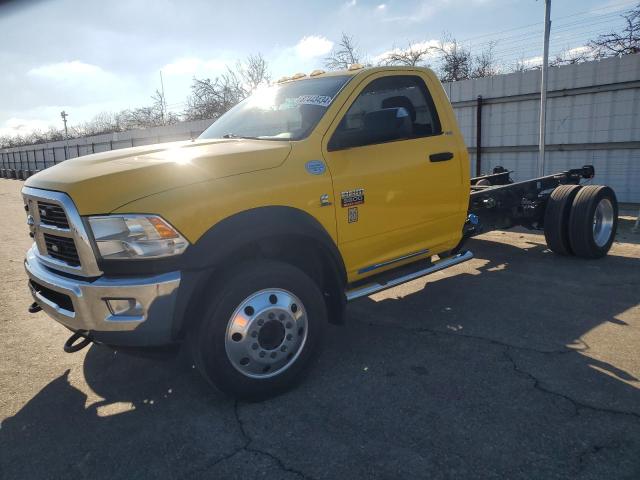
(266, 333)
(603, 222)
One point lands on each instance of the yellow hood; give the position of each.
(102, 182)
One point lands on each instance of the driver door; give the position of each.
(392, 201)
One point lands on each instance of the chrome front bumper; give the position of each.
(148, 322)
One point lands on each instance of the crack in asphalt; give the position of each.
(585, 346)
(577, 404)
(594, 450)
(246, 447)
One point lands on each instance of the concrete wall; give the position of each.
(593, 117)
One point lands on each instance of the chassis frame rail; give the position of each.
(497, 202)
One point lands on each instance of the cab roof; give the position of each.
(352, 72)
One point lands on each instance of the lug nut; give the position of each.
(273, 354)
(262, 354)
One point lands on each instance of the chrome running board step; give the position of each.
(371, 288)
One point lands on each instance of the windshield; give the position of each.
(287, 111)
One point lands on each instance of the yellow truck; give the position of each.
(243, 243)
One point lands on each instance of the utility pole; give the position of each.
(543, 86)
(64, 116)
(164, 101)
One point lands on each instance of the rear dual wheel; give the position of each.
(581, 221)
(593, 221)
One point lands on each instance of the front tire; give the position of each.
(261, 330)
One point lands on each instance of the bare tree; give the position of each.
(211, 98)
(620, 43)
(345, 53)
(254, 72)
(37, 136)
(571, 56)
(484, 65)
(414, 55)
(154, 115)
(456, 60)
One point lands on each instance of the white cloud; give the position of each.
(579, 50)
(21, 126)
(381, 7)
(67, 71)
(351, 3)
(313, 46)
(75, 83)
(193, 65)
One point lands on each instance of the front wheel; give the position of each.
(261, 331)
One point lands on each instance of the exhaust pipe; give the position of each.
(70, 346)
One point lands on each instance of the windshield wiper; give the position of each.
(233, 135)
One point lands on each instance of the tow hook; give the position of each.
(34, 308)
(70, 346)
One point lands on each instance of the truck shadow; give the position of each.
(154, 417)
(539, 307)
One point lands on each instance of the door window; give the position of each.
(388, 109)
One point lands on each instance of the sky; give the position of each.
(87, 57)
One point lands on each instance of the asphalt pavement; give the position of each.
(517, 364)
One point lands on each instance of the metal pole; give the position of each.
(479, 136)
(543, 86)
(164, 103)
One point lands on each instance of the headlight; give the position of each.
(135, 236)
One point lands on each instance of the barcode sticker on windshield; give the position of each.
(320, 100)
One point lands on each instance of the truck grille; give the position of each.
(61, 238)
(62, 248)
(52, 214)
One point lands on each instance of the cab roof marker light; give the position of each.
(355, 66)
(283, 79)
(315, 73)
(298, 75)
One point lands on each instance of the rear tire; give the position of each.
(593, 221)
(556, 218)
(261, 331)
